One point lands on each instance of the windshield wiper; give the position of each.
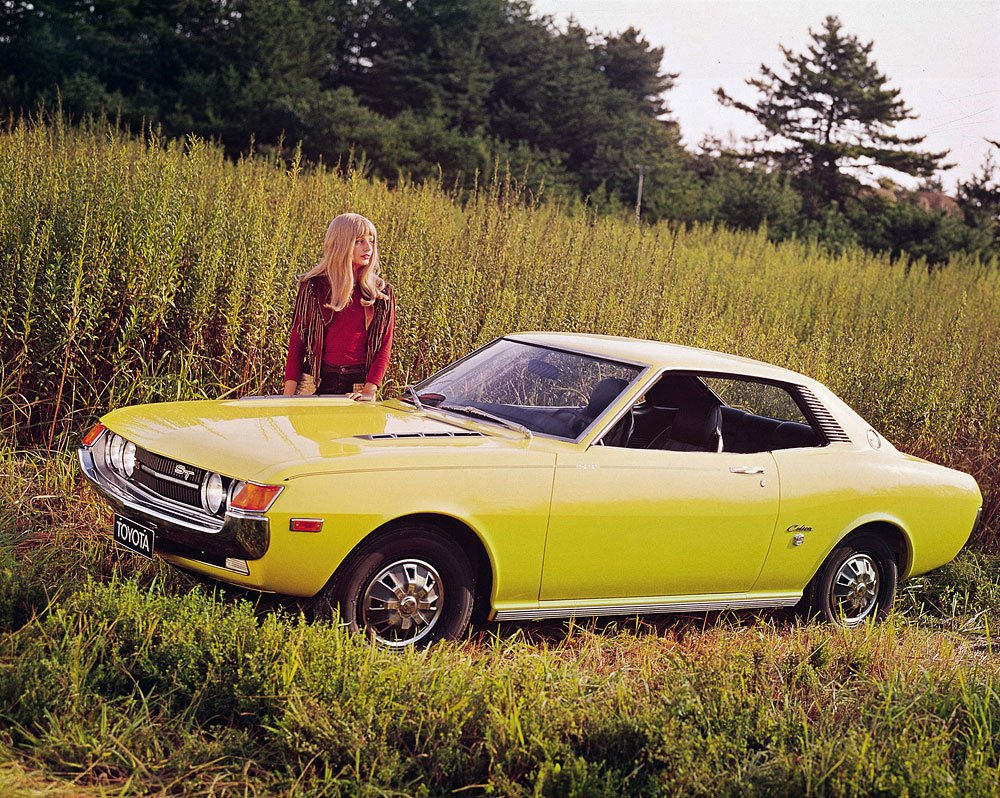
(416, 399)
(475, 411)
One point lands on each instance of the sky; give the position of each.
(943, 54)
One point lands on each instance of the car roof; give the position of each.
(661, 355)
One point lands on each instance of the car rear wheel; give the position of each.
(410, 587)
(857, 582)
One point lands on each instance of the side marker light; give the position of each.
(306, 525)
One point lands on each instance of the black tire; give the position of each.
(857, 582)
(409, 587)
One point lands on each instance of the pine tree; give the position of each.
(831, 118)
(979, 198)
(631, 64)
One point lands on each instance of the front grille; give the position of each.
(161, 476)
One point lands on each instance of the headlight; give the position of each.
(115, 447)
(213, 493)
(128, 458)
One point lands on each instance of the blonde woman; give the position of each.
(344, 316)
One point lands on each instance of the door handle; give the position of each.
(746, 470)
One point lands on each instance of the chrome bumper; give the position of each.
(185, 532)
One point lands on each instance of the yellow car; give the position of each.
(544, 475)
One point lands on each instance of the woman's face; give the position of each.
(364, 247)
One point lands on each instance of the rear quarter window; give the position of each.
(758, 398)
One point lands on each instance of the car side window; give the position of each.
(709, 413)
(758, 398)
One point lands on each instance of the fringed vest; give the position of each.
(309, 324)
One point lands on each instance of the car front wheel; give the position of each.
(410, 587)
(857, 582)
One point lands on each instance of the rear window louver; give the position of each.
(827, 423)
(383, 436)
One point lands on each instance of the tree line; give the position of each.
(449, 89)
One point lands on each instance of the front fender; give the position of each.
(506, 508)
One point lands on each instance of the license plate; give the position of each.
(133, 536)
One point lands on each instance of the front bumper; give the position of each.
(180, 531)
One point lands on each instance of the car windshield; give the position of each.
(549, 391)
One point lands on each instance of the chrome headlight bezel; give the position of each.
(114, 450)
(214, 494)
(128, 458)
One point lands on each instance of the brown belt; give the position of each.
(342, 369)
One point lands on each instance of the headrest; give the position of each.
(604, 393)
(676, 390)
(696, 425)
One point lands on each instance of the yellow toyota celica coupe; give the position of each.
(544, 475)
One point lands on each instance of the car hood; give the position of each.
(271, 439)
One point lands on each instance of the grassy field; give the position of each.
(137, 271)
(142, 270)
(123, 677)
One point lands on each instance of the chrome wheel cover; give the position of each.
(855, 589)
(403, 603)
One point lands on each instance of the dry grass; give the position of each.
(148, 270)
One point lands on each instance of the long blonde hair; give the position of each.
(337, 263)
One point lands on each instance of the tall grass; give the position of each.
(153, 690)
(138, 269)
(120, 677)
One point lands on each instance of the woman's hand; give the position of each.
(367, 394)
(290, 386)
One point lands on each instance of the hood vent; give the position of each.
(382, 436)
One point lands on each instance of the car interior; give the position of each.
(681, 413)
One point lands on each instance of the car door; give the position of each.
(628, 523)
